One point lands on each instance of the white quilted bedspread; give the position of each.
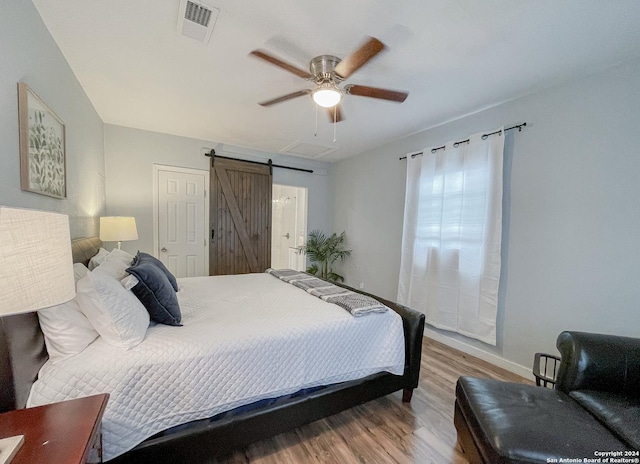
(245, 338)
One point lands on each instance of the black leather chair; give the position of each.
(595, 407)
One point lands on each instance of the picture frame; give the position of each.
(43, 160)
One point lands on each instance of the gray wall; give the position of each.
(131, 154)
(571, 258)
(29, 54)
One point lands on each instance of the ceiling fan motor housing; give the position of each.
(321, 67)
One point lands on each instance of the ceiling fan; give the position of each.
(328, 72)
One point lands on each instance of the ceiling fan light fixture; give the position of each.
(327, 95)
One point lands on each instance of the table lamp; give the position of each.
(118, 229)
(36, 271)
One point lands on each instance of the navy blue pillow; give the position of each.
(146, 257)
(156, 293)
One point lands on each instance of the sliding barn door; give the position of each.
(240, 217)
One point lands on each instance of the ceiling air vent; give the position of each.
(198, 14)
(307, 150)
(196, 20)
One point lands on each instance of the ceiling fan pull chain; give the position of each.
(315, 134)
(335, 117)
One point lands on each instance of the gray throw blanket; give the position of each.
(353, 302)
(288, 275)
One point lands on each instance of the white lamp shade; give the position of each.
(36, 266)
(118, 229)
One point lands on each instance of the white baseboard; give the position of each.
(480, 354)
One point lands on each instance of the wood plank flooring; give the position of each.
(386, 430)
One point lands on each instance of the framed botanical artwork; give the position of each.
(43, 166)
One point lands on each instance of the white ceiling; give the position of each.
(454, 57)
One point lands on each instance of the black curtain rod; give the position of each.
(212, 153)
(456, 144)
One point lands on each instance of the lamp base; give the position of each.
(9, 447)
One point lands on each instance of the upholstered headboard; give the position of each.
(83, 249)
(22, 348)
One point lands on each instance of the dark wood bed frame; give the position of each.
(23, 352)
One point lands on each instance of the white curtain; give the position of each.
(450, 267)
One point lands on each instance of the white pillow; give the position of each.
(115, 312)
(79, 271)
(66, 330)
(115, 264)
(97, 259)
(129, 282)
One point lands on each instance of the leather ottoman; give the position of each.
(503, 422)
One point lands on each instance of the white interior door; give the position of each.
(182, 220)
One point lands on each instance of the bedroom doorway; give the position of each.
(289, 227)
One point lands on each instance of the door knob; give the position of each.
(286, 235)
(163, 249)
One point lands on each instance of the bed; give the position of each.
(242, 417)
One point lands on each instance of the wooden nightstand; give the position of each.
(60, 433)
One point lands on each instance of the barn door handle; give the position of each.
(213, 234)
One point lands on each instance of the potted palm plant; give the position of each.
(323, 251)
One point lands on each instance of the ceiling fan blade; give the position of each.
(335, 114)
(289, 96)
(374, 92)
(277, 62)
(357, 59)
